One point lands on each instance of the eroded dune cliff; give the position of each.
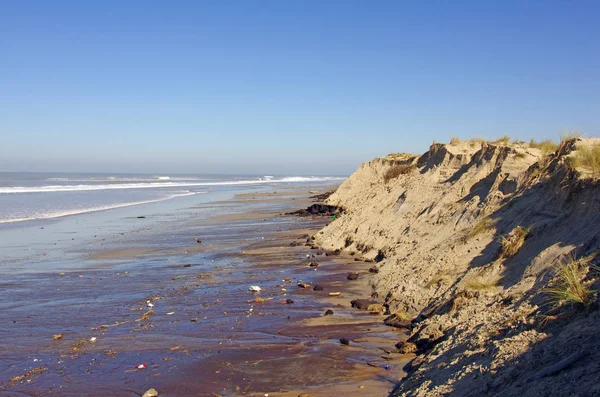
(474, 242)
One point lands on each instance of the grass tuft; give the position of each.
(437, 279)
(568, 135)
(588, 158)
(569, 286)
(483, 225)
(505, 140)
(454, 140)
(511, 243)
(546, 146)
(480, 284)
(397, 170)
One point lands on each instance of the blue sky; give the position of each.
(279, 87)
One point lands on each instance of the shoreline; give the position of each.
(320, 364)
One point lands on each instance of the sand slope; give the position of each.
(436, 228)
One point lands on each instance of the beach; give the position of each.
(170, 308)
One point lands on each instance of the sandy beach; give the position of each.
(183, 321)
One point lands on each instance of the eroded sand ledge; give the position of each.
(482, 320)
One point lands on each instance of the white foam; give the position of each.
(59, 214)
(116, 186)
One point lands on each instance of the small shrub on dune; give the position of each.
(454, 140)
(569, 286)
(512, 243)
(397, 170)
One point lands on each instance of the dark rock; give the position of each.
(375, 295)
(317, 288)
(313, 264)
(319, 210)
(199, 241)
(289, 301)
(413, 365)
(345, 341)
(337, 251)
(406, 347)
(424, 344)
(187, 265)
(374, 269)
(352, 276)
(322, 196)
(139, 217)
(356, 259)
(328, 312)
(395, 321)
(380, 256)
(319, 253)
(368, 260)
(362, 304)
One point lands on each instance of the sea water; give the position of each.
(48, 219)
(34, 196)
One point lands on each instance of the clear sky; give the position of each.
(279, 87)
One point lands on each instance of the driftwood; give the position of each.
(559, 366)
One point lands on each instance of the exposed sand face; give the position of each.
(439, 224)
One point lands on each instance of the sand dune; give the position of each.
(468, 237)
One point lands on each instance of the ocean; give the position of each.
(48, 219)
(34, 196)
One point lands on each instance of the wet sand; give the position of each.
(192, 321)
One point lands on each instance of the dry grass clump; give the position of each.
(546, 146)
(588, 158)
(483, 225)
(397, 170)
(437, 279)
(476, 141)
(480, 284)
(568, 135)
(454, 140)
(513, 241)
(505, 140)
(569, 286)
(400, 155)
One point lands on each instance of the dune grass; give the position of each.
(437, 279)
(512, 243)
(505, 140)
(588, 158)
(546, 146)
(454, 140)
(483, 225)
(569, 286)
(397, 170)
(480, 284)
